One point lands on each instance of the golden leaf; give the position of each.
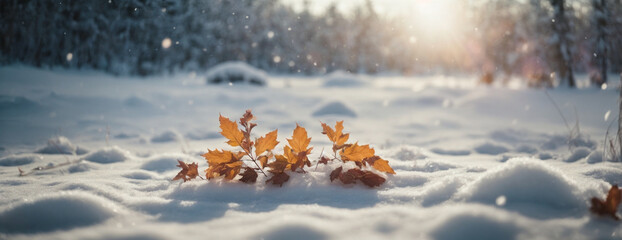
(221, 156)
(357, 153)
(230, 131)
(300, 141)
(266, 143)
(383, 166)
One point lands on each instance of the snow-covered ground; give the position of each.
(472, 162)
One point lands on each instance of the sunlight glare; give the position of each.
(436, 17)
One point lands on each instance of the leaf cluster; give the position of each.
(363, 156)
(229, 164)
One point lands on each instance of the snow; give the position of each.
(108, 155)
(342, 79)
(235, 73)
(335, 108)
(455, 163)
(62, 211)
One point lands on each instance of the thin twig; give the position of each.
(558, 110)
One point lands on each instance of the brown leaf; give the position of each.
(266, 143)
(351, 176)
(249, 175)
(610, 205)
(230, 131)
(279, 164)
(300, 141)
(357, 153)
(335, 173)
(323, 160)
(371, 179)
(188, 171)
(278, 178)
(248, 116)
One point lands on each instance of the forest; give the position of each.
(529, 39)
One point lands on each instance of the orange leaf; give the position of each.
(230, 131)
(233, 169)
(188, 171)
(610, 205)
(266, 143)
(221, 156)
(336, 136)
(263, 160)
(383, 166)
(300, 141)
(357, 153)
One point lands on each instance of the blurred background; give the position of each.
(542, 42)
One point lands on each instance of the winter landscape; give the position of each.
(508, 133)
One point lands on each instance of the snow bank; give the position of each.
(167, 161)
(595, 157)
(334, 108)
(108, 155)
(167, 136)
(452, 152)
(526, 182)
(432, 166)
(18, 160)
(62, 211)
(341, 78)
(81, 167)
(236, 73)
(61, 145)
(578, 154)
(469, 225)
(491, 149)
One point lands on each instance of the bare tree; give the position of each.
(561, 42)
(600, 18)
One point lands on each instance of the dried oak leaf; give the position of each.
(278, 178)
(249, 175)
(188, 171)
(610, 205)
(357, 153)
(336, 136)
(230, 131)
(266, 143)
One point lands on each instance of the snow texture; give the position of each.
(335, 109)
(108, 155)
(342, 79)
(450, 182)
(235, 73)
